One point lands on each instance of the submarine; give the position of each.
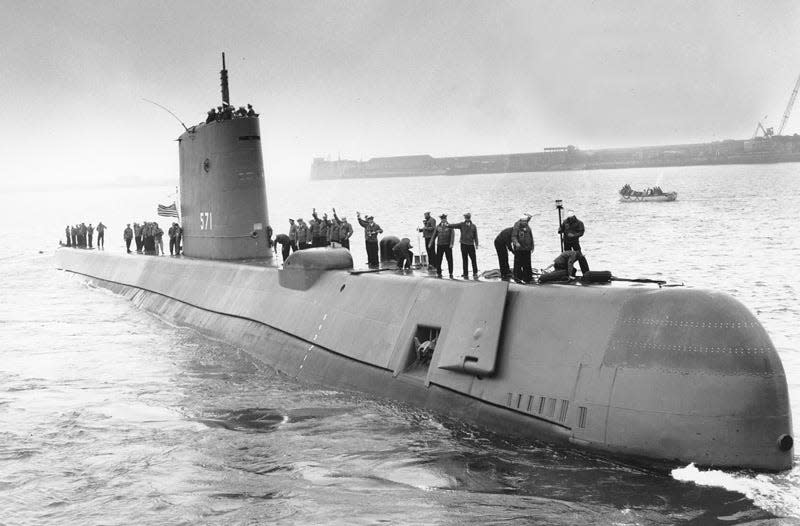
(654, 376)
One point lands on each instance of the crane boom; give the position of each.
(789, 106)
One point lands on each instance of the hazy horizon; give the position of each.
(363, 79)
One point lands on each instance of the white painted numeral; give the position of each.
(205, 221)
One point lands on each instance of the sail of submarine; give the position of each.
(659, 376)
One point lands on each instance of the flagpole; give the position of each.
(178, 199)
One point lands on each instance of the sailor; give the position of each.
(74, 232)
(469, 242)
(371, 231)
(345, 232)
(424, 350)
(69, 237)
(241, 112)
(317, 230)
(159, 236)
(286, 245)
(83, 234)
(335, 230)
(573, 229)
(302, 234)
(292, 235)
(566, 260)
(219, 113)
(522, 243)
(101, 235)
(502, 244)
(90, 233)
(172, 232)
(250, 111)
(227, 112)
(269, 235)
(443, 237)
(428, 227)
(127, 235)
(402, 253)
(212, 115)
(178, 239)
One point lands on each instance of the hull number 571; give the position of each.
(205, 221)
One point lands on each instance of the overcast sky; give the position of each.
(365, 79)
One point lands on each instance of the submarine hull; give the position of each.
(662, 377)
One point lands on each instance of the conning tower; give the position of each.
(223, 193)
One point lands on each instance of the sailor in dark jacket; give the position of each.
(69, 237)
(502, 244)
(573, 229)
(522, 243)
(286, 244)
(127, 235)
(402, 253)
(469, 242)
(428, 227)
(345, 232)
(371, 231)
(443, 237)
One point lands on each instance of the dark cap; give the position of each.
(443, 216)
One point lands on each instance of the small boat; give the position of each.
(650, 194)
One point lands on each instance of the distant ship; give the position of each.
(758, 150)
(658, 376)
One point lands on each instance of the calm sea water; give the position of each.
(109, 415)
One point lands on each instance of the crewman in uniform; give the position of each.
(302, 234)
(502, 244)
(522, 243)
(345, 232)
(428, 228)
(286, 245)
(69, 237)
(469, 242)
(443, 237)
(212, 115)
(172, 232)
(74, 232)
(318, 228)
(402, 253)
(159, 235)
(127, 235)
(563, 266)
(250, 111)
(371, 231)
(101, 235)
(573, 230)
(90, 233)
(335, 230)
(292, 235)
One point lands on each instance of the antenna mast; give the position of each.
(226, 99)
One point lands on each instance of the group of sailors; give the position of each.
(149, 238)
(81, 236)
(318, 232)
(227, 112)
(439, 239)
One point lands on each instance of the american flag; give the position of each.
(168, 211)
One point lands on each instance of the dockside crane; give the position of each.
(789, 106)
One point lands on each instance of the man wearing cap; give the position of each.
(402, 253)
(428, 228)
(572, 229)
(345, 231)
(522, 243)
(443, 237)
(469, 242)
(318, 228)
(371, 231)
(302, 235)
